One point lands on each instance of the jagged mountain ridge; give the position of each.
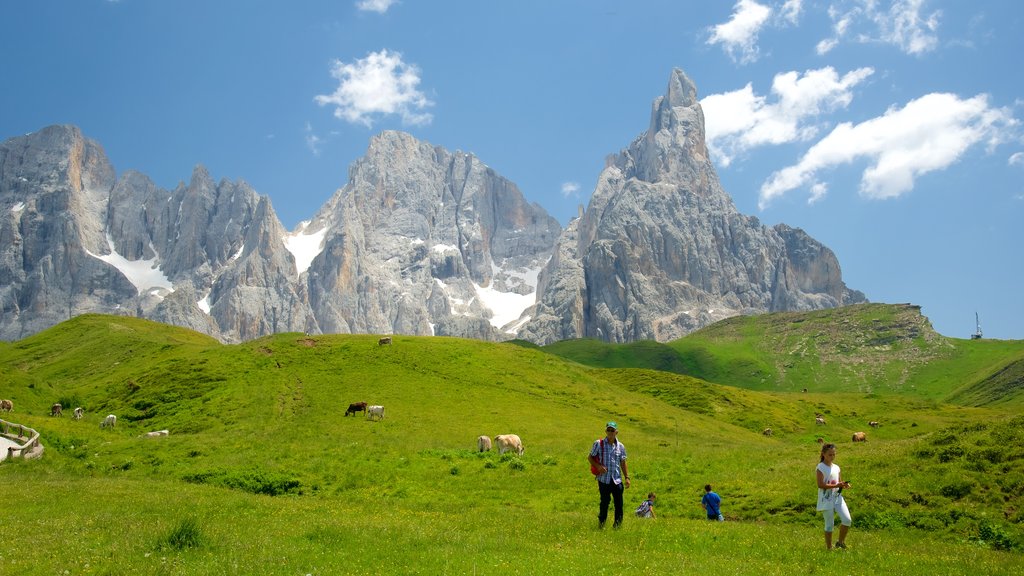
(413, 244)
(420, 240)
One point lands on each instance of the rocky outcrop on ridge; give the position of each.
(661, 250)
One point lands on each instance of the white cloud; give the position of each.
(380, 84)
(928, 134)
(1016, 159)
(903, 25)
(739, 35)
(380, 6)
(738, 121)
(570, 189)
(790, 11)
(907, 28)
(312, 140)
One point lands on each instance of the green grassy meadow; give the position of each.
(263, 474)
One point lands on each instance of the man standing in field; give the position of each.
(712, 504)
(608, 460)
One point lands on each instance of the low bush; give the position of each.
(186, 534)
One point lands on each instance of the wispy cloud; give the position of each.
(741, 120)
(570, 189)
(312, 140)
(1016, 159)
(790, 11)
(378, 85)
(738, 36)
(380, 6)
(930, 133)
(905, 25)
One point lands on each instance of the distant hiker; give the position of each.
(830, 496)
(608, 463)
(646, 508)
(712, 504)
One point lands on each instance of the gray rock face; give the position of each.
(661, 250)
(418, 239)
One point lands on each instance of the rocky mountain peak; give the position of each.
(661, 249)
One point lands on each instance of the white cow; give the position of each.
(79, 412)
(508, 442)
(375, 412)
(156, 433)
(109, 421)
(483, 444)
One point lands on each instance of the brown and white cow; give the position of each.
(78, 413)
(874, 424)
(6, 405)
(509, 442)
(355, 407)
(383, 341)
(767, 431)
(860, 437)
(56, 410)
(483, 444)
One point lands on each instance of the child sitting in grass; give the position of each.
(646, 508)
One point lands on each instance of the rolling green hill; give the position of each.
(865, 348)
(263, 473)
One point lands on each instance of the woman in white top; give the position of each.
(830, 496)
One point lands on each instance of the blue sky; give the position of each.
(888, 130)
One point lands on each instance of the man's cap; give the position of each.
(611, 425)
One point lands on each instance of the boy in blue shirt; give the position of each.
(712, 504)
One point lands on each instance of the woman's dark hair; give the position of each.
(826, 448)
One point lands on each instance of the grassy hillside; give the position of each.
(866, 348)
(262, 473)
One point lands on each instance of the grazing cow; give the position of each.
(109, 421)
(375, 412)
(6, 405)
(355, 407)
(767, 432)
(56, 410)
(156, 433)
(804, 390)
(483, 444)
(860, 437)
(384, 340)
(507, 442)
(78, 413)
(820, 440)
(819, 420)
(873, 424)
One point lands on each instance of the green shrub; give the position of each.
(252, 481)
(186, 534)
(996, 536)
(873, 520)
(957, 490)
